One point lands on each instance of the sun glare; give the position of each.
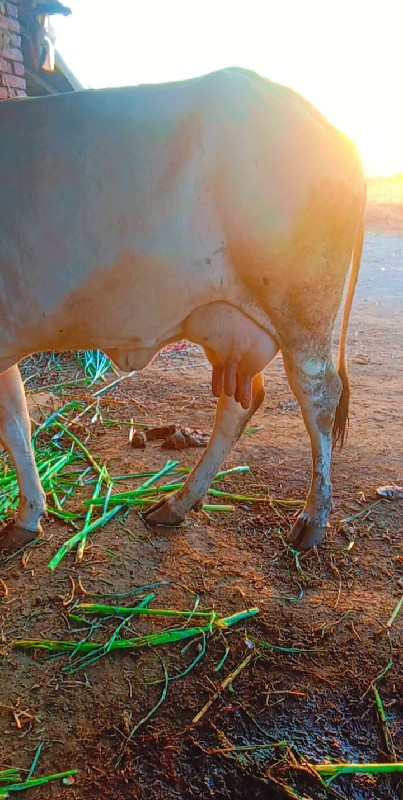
(345, 57)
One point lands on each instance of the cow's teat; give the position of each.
(237, 348)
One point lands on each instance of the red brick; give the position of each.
(3, 93)
(12, 53)
(9, 24)
(19, 93)
(18, 68)
(14, 82)
(5, 66)
(12, 10)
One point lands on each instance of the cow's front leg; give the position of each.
(230, 420)
(317, 388)
(15, 435)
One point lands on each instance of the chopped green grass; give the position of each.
(19, 785)
(127, 611)
(84, 653)
(150, 640)
(93, 651)
(333, 770)
(11, 781)
(95, 365)
(165, 637)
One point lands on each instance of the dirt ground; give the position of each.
(329, 607)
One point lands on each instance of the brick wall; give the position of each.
(12, 81)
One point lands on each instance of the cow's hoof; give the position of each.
(305, 533)
(162, 513)
(13, 538)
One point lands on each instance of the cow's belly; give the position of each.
(136, 303)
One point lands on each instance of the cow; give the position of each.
(223, 209)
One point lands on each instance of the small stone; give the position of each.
(69, 780)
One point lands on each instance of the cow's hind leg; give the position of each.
(230, 420)
(317, 388)
(15, 435)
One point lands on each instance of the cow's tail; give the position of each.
(340, 427)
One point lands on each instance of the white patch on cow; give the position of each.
(312, 367)
(326, 452)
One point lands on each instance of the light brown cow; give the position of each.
(224, 209)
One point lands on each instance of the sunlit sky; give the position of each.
(345, 56)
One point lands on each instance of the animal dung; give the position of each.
(184, 437)
(175, 437)
(162, 432)
(137, 438)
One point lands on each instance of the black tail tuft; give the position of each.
(340, 426)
